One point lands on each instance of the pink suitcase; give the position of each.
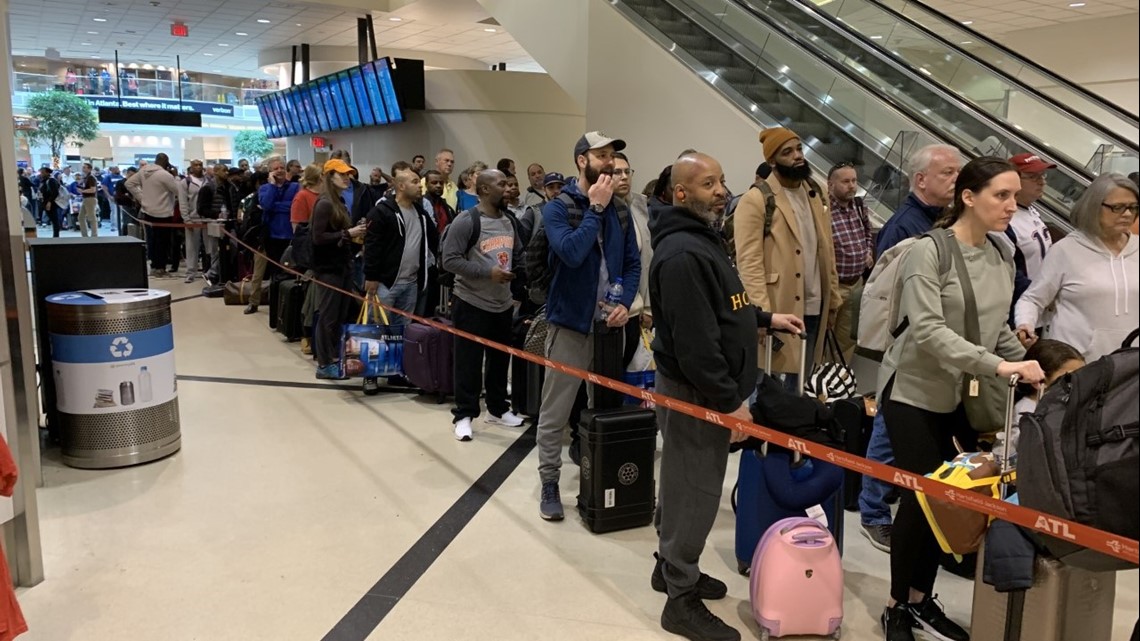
(796, 582)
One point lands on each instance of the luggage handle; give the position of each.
(819, 529)
(1006, 445)
(768, 340)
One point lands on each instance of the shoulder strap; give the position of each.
(942, 244)
(969, 302)
(476, 229)
(769, 205)
(574, 213)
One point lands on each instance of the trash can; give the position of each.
(112, 359)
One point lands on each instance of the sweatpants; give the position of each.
(558, 393)
(922, 440)
(333, 309)
(694, 456)
(476, 366)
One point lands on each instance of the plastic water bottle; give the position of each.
(146, 390)
(225, 213)
(612, 300)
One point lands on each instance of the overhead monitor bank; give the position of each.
(363, 96)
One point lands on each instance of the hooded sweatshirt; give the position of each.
(706, 326)
(1097, 295)
(157, 191)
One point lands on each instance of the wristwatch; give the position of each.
(596, 208)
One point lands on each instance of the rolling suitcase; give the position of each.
(616, 485)
(274, 299)
(796, 582)
(775, 484)
(429, 357)
(290, 300)
(1063, 604)
(526, 377)
(856, 416)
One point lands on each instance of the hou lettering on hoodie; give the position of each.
(1096, 294)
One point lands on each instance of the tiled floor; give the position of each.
(287, 505)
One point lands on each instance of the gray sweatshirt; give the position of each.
(498, 245)
(157, 192)
(930, 358)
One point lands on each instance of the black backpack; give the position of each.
(539, 258)
(123, 196)
(447, 279)
(1078, 454)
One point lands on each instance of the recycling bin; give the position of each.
(112, 359)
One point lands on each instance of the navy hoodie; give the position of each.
(706, 326)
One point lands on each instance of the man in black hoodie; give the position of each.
(706, 355)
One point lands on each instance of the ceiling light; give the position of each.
(161, 67)
(99, 19)
(92, 33)
(1076, 5)
(133, 65)
(263, 21)
(222, 44)
(240, 33)
(876, 37)
(490, 30)
(924, 70)
(147, 66)
(967, 42)
(85, 44)
(94, 57)
(207, 54)
(297, 24)
(396, 19)
(967, 22)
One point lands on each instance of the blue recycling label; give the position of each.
(111, 348)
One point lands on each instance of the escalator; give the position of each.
(846, 100)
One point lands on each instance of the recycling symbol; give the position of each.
(121, 347)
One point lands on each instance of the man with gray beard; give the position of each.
(706, 352)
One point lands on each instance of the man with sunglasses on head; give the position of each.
(854, 245)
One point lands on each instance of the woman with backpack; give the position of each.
(1090, 276)
(931, 366)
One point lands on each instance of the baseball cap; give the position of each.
(337, 165)
(552, 178)
(596, 140)
(1031, 163)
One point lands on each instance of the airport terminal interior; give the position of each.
(294, 507)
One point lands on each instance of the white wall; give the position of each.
(1102, 55)
(482, 115)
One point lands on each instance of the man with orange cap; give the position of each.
(784, 248)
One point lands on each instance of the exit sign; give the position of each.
(179, 30)
(319, 142)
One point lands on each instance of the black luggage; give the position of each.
(609, 352)
(856, 417)
(616, 490)
(274, 299)
(287, 310)
(526, 377)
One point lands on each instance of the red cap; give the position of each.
(1031, 163)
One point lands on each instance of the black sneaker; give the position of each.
(898, 623)
(688, 617)
(708, 588)
(371, 387)
(878, 535)
(929, 617)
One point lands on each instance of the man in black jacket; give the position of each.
(215, 198)
(401, 244)
(49, 192)
(706, 355)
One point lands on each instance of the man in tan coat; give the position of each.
(784, 248)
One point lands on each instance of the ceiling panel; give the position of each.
(996, 18)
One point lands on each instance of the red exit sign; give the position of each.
(179, 30)
(319, 142)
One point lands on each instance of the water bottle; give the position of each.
(146, 390)
(225, 213)
(612, 300)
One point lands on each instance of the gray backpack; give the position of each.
(1078, 456)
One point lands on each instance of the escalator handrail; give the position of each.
(1101, 101)
(1128, 118)
(998, 125)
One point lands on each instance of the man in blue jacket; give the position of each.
(276, 199)
(590, 248)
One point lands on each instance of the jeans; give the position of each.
(873, 508)
(401, 296)
(472, 372)
(812, 325)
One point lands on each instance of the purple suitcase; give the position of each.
(429, 354)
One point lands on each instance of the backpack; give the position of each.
(729, 224)
(539, 258)
(446, 278)
(1078, 453)
(123, 196)
(879, 323)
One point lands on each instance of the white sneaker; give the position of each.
(508, 419)
(463, 430)
(190, 277)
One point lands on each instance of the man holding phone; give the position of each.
(482, 253)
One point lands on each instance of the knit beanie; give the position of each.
(773, 139)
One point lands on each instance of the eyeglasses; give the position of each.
(623, 172)
(1120, 208)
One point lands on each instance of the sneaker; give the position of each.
(931, 619)
(371, 387)
(550, 508)
(399, 381)
(708, 588)
(878, 535)
(508, 419)
(307, 346)
(190, 277)
(330, 372)
(688, 617)
(158, 274)
(251, 309)
(463, 429)
(898, 623)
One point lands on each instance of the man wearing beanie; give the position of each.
(786, 258)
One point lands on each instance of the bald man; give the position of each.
(706, 352)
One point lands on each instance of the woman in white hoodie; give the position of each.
(1091, 276)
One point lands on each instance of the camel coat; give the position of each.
(770, 267)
